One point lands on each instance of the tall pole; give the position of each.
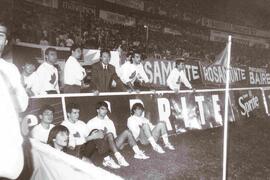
(225, 132)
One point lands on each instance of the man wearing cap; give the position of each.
(178, 76)
(102, 123)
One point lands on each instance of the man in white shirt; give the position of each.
(74, 73)
(46, 76)
(81, 139)
(132, 72)
(102, 123)
(13, 100)
(28, 76)
(145, 132)
(178, 76)
(41, 131)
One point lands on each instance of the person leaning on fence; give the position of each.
(103, 124)
(178, 76)
(46, 76)
(103, 74)
(145, 132)
(74, 73)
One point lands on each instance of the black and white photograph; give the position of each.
(134, 89)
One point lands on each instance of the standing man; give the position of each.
(105, 125)
(104, 73)
(41, 131)
(46, 81)
(13, 100)
(74, 73)
(177, 76)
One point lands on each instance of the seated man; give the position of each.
(81, 140)
(103, 74)
(145, 132)
(42, 130)
(106, 126)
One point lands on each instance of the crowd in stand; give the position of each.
(94, 33)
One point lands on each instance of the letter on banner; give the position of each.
(164, 111)
(216, 107)
(199, 100)
(184, 110)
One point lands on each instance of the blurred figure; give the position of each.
(13, 100)
(28, 76)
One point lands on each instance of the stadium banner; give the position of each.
(258, 76)
(47, 3)
(159, 70)
(73, 5)
(216, 75)
(241, 39)
(134, 4)
(220, 25)
(172, 31)
(117, 18)
(248, 104)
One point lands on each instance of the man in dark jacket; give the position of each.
(104, 73)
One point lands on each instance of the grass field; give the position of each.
(198, 155)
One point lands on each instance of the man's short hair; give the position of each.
(105, 51)
(136, 106)
(71, 106)
(50, 49)
(46, 107)
(74, 47)
(102, 103)
(135, 52)
(179, 61)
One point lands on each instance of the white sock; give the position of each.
(136, 149)
(165, 138)
(107, 158)
(152, 141)
(118, 155)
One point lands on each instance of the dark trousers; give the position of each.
(72, 88)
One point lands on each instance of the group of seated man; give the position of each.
(82, 140)
(130, 77)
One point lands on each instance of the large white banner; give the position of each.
(116, 18)
(241, 39)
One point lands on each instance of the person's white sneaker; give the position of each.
(110, 163)
(122, 161)
(141, 155)
(169, 146)
(158, 149)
